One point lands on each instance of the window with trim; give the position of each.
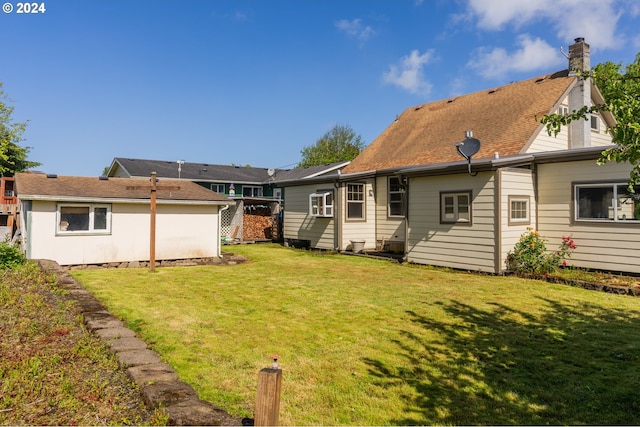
(563, 110)
(519, 210)
(218, 188)
(607, 202)
(355, 201)
(396, 197)
(455, 207)
(87, 218)
(251, 191)
(595, 123)
(321, 203)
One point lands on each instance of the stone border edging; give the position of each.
(158, 382)
(584, 284)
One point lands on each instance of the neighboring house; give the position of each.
(8, 208)
(85, 220)
(255, 215)
(412, 192)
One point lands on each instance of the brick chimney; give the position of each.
(580, 95)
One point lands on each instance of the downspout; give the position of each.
(337, 215)
(220, 229)
(535, 195)
(497, 203)
(25, 221)
(404, 183)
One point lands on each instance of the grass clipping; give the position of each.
(52, 370)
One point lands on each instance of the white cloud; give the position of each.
(595, 20)
(495, 14)
(355, 28)
(533, 54)
(409, 75)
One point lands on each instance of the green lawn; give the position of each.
(369, 342)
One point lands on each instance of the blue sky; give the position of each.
(254, 82)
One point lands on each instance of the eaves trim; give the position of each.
(72, 199)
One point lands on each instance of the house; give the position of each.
(8, 208)
(87, 220)
(256, 213)
(413, 191)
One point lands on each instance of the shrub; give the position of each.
(10, 255)
(530, 254)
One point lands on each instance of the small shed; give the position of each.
(90, 220)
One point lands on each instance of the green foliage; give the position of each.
(10, 255)
(13, 157)
(339, 144)
(530, 254)
(621, 91)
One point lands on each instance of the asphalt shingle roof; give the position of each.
(219, 173)
(193, 171)
(504, 119)
(36, 185)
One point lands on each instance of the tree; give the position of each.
(13, 157)
(339, 144)
(621, 91)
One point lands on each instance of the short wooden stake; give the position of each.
(268, 398)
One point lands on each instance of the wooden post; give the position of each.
(152, 234)
(268, 398)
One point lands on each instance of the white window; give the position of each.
(355, 201)
(607, 202)
(396, 197)
(218, 188)
(595, 123)
(87, 218)
(251, 191)
(321, 203)
(519, 210)
(455, 207)
(563, 110)
(277, 193)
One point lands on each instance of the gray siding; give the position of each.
(605, 246)
(470, 247)
(298, 224)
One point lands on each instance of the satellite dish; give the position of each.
(271, 171)
(468, 148)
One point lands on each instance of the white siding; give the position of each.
(389, 229)
(358, 229)
(452, 245)
(610, 246)
(298, 224)
(514, 182)
(600, 137)
(185, 231)
(546, 142)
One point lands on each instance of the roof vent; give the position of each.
(493, 91)
(103, 178)
(52, 175)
